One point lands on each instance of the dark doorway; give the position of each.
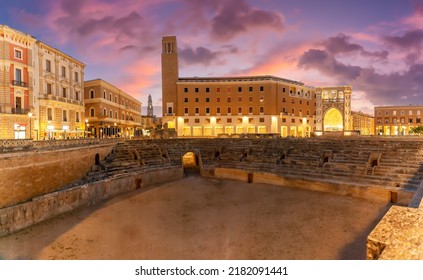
(191, 164)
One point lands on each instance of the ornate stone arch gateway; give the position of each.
(333, 111)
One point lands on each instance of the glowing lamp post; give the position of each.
(30, 124)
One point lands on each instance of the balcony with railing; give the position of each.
(20, 111)
(19, 83)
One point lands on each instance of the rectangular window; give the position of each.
(239, 110)
(49, 114)
(283, 100)
(229, 110)
(64, 92)
(250, 99)
(65, 116)
(18, 54)
(63, 71)
(218, 89)
(186, 110)
(186, 99)
(261, 120)
(283, 89)
(250, 110)
(197, 110)
(261, 88)
(197, 99)
(197, 120)
(284, 120)
(239, 99)
(207, 99)
(301, 102)
(229, 120)
(49, 89)
(185, 89)
(418, 120)
(207, 89)
(218, 99)
(218, 110)
(228, 89)
(196, 89)
(292, 111)
(250, 89)
(293, 120)
(76, 116)
(261, 109)
(239, 89)
(76, 77)
(410, 120)
(207, 110)
(77, 95)
(229, 99)
(18, 75)
(48, 65)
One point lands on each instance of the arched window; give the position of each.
(105, 112)
(104, 94)
(110, 97)
(92, 112)
(92, 93)
(111, 114)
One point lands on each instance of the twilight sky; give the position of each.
(374, 45)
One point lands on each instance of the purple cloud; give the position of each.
(393, 88)
(340, 44)
(235, 17)
(199, 55)
(327, 64)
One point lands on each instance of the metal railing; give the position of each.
(19, 83)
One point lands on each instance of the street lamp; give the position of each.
(30, 124)
(86, 124)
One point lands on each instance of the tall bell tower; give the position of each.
(170, 75)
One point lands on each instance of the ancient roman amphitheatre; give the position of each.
(252, 198)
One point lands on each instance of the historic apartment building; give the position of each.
(199, 106)
(363, 124)
(40, 89)
(110, 111)
(397, 120)
(61, 110)
(16, 83)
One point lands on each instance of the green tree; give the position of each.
(418, 130)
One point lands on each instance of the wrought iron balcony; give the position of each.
(19, 83)
(20, 111)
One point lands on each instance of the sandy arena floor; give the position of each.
(198, 218)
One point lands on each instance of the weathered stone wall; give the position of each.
(370, 193)
(28, 174)
(20, 216)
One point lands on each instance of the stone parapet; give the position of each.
(398, 236)
(47, 206)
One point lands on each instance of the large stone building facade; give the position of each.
(61, 102)
(110, 111)
(397, 120)
(333, 110)
(200, 106)
(363, 124)
(16, 83)
(40, 89)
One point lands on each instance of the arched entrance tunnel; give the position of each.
(191, 163)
